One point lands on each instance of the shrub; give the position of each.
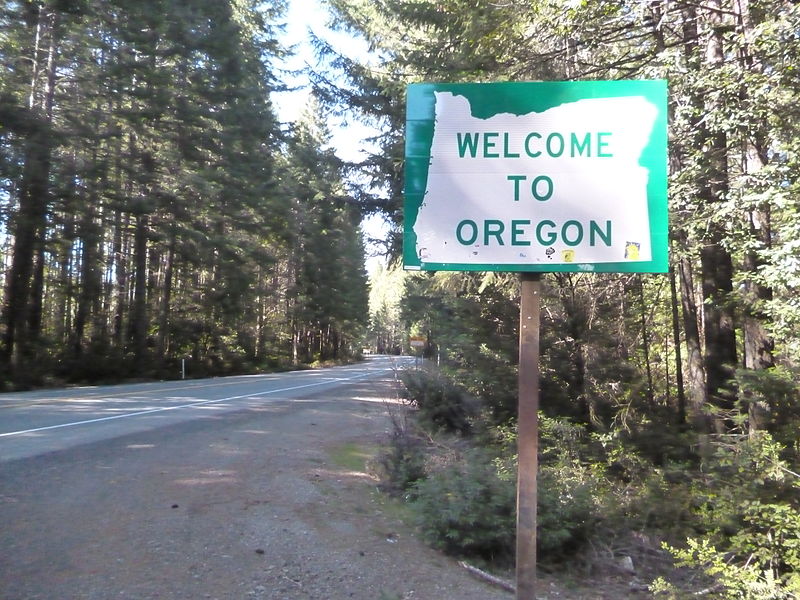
(467, 509)
(772, 396)
(753, 578)
(770, 538)
(442, 405)
(567, 510)
(749, 519)
(402, 462)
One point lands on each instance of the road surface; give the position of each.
(231, 488)
(33, 423)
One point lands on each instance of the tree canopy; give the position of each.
(689, 368)
(153, 207)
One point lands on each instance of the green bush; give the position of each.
(567, 509)
(747, 515)
(772, 397)
(402, 462)
(741, 470)
(467, 509)
(770, 538)
(762, 561)
(441, 404)
(754, 576)
(568, 489)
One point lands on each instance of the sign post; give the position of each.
(535, 177)
(417, 342)
(528, 433)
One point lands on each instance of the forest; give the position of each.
(670, 403)
(154, 209)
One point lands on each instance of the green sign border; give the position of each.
(489, 99)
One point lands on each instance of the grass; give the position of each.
(352, 456)
(356, 458)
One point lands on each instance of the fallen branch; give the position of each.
(506, 585)
(714, 588)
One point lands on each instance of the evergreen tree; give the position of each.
(330, 285)
(144, 222)
(729, 88)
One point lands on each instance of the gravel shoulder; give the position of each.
(265, 503)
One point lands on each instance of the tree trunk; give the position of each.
(261, 324)
(91, 281)
(91, 278)
(166, 298)
(120, 258)
(694, 352)
(676, 344)
(646, 343)
(758, 342)
(64, 306)
(575, 324)
(37, 288)
(139, 314)
(37, 295)
(716, 263)
(28, 228)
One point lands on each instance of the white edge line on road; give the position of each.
(190, 405)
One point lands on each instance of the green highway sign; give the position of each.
(536, 176)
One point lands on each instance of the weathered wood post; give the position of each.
(528, 433)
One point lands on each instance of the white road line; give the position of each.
(190, 405)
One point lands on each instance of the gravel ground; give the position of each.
(254, 504)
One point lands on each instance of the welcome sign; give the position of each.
(536, 176)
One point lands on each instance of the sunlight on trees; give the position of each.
(666, 378)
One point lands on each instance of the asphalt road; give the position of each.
(35, 423)
(231, 489)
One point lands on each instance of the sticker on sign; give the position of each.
(549, 176)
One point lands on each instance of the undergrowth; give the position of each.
(723, 519)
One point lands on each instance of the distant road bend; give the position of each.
(33, 423)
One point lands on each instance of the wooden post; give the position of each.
(528, 433)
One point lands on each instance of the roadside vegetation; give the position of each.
(670, 404)
(627, 488)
